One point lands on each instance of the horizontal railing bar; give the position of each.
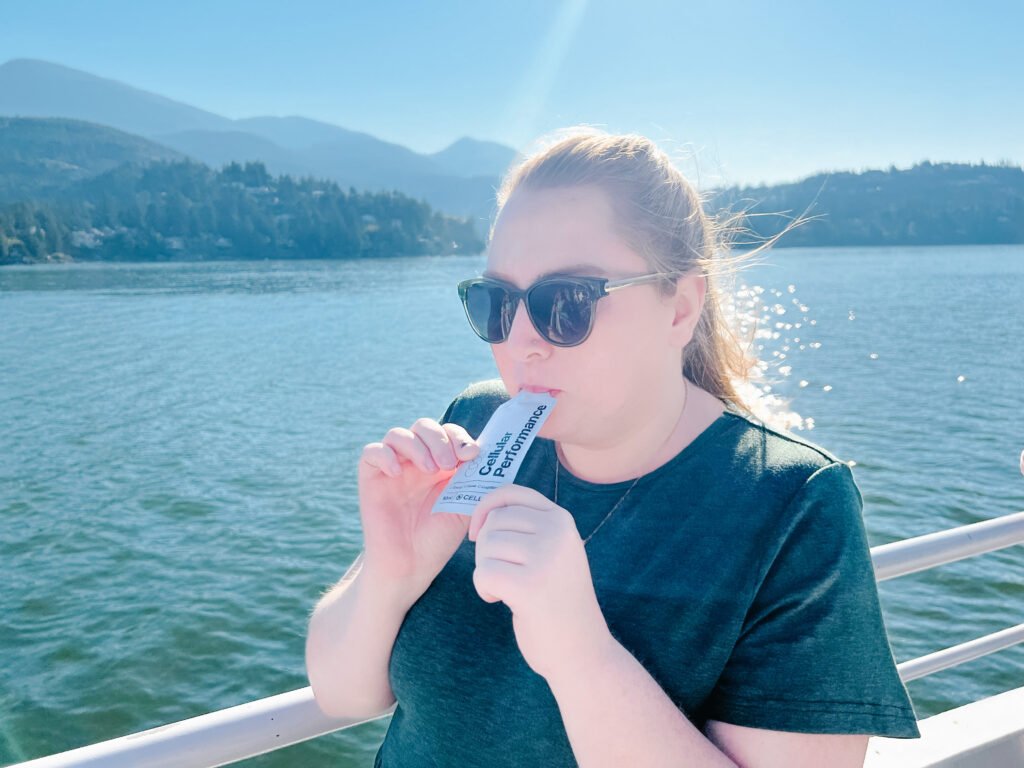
(932, 549)
(217, 738)
(958, 654)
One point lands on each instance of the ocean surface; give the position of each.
(178, 445)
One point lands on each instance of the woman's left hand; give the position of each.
(530, 556)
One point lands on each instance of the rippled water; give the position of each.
(178, 445)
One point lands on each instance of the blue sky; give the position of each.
(739, 91)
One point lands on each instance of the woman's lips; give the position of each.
(533, 388)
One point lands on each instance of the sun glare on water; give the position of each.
(772, 325)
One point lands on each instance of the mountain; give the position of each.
(928, 204)
(357, 160)
(75, 190)
(470, 157)
(459, 180)
(42, 156)
(218, 148)
(344, 152)
(300, 132)
(31, 88)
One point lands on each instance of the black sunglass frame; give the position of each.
(596, 287)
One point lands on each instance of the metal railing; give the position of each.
(251, 729)
(922, 552)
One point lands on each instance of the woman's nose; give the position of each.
(523, 338)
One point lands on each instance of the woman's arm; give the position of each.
(348, 646)
(784, 749)
(616, 714)
(353, 628)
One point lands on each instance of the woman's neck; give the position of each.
(648, 447)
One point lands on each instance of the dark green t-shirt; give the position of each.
(738, 574)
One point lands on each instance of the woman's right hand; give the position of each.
(400, 478)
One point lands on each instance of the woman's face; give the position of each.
(616, 379)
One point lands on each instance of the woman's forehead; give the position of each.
(565, 230)
(577, 270)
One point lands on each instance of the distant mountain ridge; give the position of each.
(46, 158)
(928, 204)
(459, 180)
(71, 190)
(32, 88)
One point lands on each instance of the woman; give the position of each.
(725, 611)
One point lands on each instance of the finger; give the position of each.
(507, 546)
(465, 446)
(513, 519)
(515, 495)
(508, 518)
(435, 437)
(497, 580)
(382, 458)
(408, 446)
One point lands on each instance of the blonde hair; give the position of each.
(661, 216)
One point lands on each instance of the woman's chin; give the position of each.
(553, 429)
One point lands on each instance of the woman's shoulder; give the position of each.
(784, 491)
(773, 458)
(775, 446)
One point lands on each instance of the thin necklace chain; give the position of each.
(632, 485)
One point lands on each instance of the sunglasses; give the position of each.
(562, 309)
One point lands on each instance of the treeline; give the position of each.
(176, 211)
(929, 204)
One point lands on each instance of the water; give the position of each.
(179, 444)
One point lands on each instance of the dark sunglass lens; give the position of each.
(490, 311)
(562, 310)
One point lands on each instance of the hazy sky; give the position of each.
(759, 91)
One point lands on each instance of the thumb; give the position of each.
(486, 596)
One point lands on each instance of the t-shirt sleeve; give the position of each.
(474, 405)
(813, 655)
(446, 418)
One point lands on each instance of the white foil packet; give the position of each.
(504, 442)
